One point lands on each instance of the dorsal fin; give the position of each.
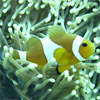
(58, 35)
(35, 52)
(31, 42)
(56, 31)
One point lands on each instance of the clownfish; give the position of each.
(67, 49)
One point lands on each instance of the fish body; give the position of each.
(67, 49)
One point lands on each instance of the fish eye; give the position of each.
(84, 44)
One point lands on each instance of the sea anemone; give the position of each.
(19, 19)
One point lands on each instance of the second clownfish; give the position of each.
(67, 49)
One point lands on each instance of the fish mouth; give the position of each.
(91, 50)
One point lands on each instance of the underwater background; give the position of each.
(22, 80)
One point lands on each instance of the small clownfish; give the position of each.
(67, 49)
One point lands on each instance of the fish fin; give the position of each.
(35, 52)
(15, 54)
(31, 42)
(56, 33)
(62, 56)
(62, 68)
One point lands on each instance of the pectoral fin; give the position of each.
(61, 56)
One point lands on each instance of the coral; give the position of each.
(19, 19)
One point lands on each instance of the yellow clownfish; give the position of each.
(67, 49)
